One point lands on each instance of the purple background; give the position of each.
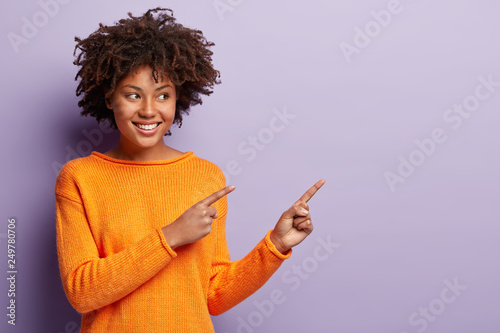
(355, 118)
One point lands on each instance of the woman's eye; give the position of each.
(133, 96)
(163, 96)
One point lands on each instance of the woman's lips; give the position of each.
(148, 130)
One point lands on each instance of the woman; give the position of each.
(141, 228)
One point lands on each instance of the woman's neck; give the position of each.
(163, 152)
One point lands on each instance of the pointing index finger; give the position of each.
(212, 198)
(310, 192)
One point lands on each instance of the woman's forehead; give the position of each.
(145, 72)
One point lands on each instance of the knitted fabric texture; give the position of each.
(116, 266)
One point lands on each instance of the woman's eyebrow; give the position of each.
(140, 89)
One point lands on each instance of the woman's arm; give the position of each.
(232, 282)
(91, 282)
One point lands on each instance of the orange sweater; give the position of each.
(116, 266)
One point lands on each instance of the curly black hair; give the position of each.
(170, 49)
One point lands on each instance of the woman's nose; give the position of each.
(147, 108)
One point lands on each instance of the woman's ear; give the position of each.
(108, 103)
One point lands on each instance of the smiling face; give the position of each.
(144, 111)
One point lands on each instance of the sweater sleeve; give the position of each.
(232, 282)
(91, 282)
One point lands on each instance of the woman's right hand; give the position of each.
(196, 222)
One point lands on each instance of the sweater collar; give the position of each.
(184, 156)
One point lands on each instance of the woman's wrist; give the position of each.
(277, 243)
(170, 237)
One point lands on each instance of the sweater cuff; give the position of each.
(165, 244)
(273, 249)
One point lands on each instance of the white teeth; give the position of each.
(147, 127)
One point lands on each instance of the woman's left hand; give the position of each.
(295, 224)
